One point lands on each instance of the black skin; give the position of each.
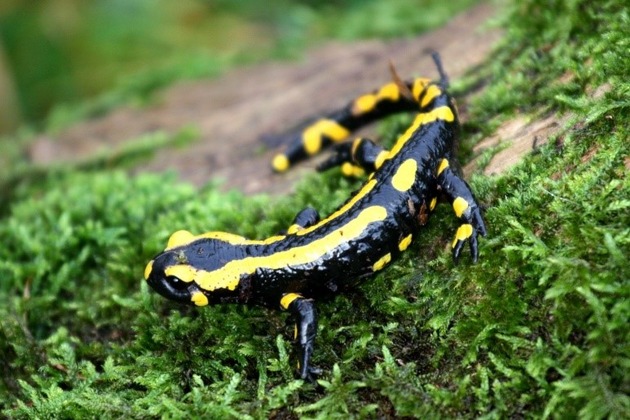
(341, 267)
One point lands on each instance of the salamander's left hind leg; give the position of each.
(466, 209)
(356, 158)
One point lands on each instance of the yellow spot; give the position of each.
(405, 175)
(288, 299)
(381, 158)
(293, 228)
(378, 265)
(402, 245)
(433, 203)
(363, 104)
(199, 299)
(229, 275)
(179, 238)
(418, 86)
(184, 272)
(464, 232)
(431, 93)
(443, 165)
(312, 136)
(280, 163)
(147, 270)
(459, 205)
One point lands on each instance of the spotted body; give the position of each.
(378, 222)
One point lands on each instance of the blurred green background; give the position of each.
(64, 51)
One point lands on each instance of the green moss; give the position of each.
(538, 328)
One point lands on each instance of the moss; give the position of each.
(538, 328)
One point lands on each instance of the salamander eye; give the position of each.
(176, 283)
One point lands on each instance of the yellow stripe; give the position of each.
(443, 113)
(229, 275)
(405, 175)
(459, 205)
(367, 187)
(433, 203)
(288, 299)
(182, 238)
(233, 239)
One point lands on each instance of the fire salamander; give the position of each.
(361, 237)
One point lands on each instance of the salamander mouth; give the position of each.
(170, 287)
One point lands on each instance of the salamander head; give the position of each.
(167, 275)
(184, 271)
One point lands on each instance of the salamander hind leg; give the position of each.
(466, 209)
(305, 331)
(356, 158)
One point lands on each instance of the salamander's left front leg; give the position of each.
(305, 331)
(465, 207)
(304, 219)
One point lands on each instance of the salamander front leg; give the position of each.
(465, 207)
(305, 331)
(356, 158)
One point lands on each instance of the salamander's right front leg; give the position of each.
(305, 331)
(466, 209)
